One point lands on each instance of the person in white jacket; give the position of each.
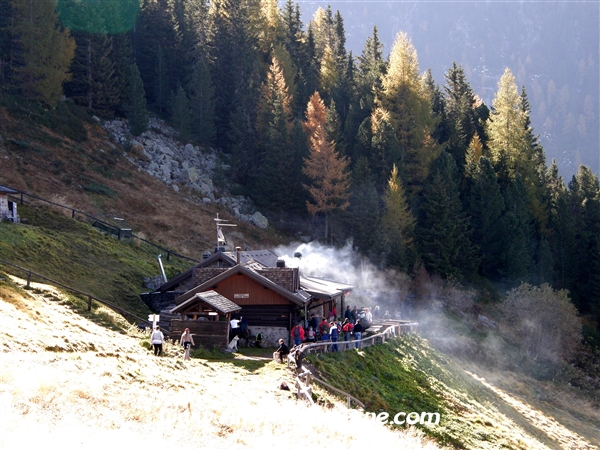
(157, 339)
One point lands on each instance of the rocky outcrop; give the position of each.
(158, 152)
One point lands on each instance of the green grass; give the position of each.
(407, 375)
(82, 257)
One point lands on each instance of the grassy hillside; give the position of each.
(80, 256)
(78, 384)
(406, 374)
(60, 157)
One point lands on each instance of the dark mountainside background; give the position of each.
(551, 47)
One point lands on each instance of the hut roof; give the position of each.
(211, 298)
(292, 297)
(7, 190)
(323, 289)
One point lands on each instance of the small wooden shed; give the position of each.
(8, 209)
(207, 315)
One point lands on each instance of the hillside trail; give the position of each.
(67, 382)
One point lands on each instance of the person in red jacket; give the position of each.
(298, 334)
(347, 328)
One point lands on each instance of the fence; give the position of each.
(303, 380)
(99, 223)
(392, 329)
(90, 298)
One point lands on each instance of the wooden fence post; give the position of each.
(29, 279)
(89, 308)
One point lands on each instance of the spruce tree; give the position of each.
(443, 229)
(398, 225)
(486, 208)
(137, 114)
(43, 51)
(201, 94)
(181, 113)
(364, 216)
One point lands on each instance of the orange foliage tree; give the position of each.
(324, 166)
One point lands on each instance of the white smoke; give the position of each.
(372, 286)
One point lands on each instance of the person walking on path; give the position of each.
(186, 342)
(157, 339)
(358, 330)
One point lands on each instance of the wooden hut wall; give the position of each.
(244, 291)
(208, 334)
(267, 315)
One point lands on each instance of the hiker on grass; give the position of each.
(186, 342)
(157, 339)
(298, 334)
(281, 352)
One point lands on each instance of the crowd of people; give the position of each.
(334, 329)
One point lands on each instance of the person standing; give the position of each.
(358, 331)
(235, 325)
(348, 314)
(347, 328)
(354, 314)
(334, 335)
(157, 339)
(298, 334)
(186, 341)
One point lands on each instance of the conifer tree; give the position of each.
(398, 224)
(42, 50)
(443, 229)
(385, 149)
(506, 125)
(181, 113)
(276, 170)
(405, 98)
(486, 208)
(201, 94)
(324, 166)
(137, 114)
(363, 215)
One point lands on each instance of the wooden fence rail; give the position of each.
(90, 298)
(303, 379)
(99, 223)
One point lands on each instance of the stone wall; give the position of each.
(3, 207)
(271, 335)
(283, 277)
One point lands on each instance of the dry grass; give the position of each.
(116, 394)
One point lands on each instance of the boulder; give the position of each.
(192, 174)
(259, 220)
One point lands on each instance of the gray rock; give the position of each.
(206, 200)
(176, 188)
(136, 147)
(193, 175)
(188, 150)
(208, 182)
(259, 220)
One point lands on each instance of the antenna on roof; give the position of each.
(221, 241)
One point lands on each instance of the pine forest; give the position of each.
(419, 174)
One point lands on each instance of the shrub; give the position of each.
(544, 320)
